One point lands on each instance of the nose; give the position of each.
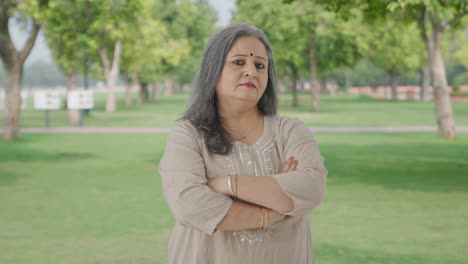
(250, 70)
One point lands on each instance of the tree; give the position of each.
(395, 47)
(189, 24)
(193, 22)
(435, 18)
(461, 53)
(109, 24)
(65, 31)
(13, 60)
(305, 36)
(151, 49)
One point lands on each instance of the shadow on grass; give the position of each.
(340, 104)
(7, 177)
(18, 151)
(406, 166)
(328, 253)
(177, 99)
(24, 155)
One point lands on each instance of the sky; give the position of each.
(42, 52)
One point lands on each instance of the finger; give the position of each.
(293, 165)
(286, 166)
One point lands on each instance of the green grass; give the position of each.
(344, 110)
(391, 198)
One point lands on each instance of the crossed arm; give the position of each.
(206, 205)
(254, 193)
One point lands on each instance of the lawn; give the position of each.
(343, 110)
(391, 198)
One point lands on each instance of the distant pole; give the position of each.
(47, 119)
(86, 74)
(86, 11)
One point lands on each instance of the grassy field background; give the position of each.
(391, 198)
(342, 110)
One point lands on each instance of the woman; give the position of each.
(239, 179)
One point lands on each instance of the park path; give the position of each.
(158, 130)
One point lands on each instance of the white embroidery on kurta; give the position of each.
(253, 160)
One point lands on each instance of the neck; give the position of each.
(237, 111)
(240, 116)
(242, 123)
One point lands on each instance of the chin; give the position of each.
(248, 98)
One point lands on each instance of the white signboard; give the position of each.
(80, 99)
(47, 100)
(24, 100)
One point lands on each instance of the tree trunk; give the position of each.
(293, 89)
(144, 93)
(12, 110)
(128, 95)
(443, 105)
(301, 85)
(169, 87)
(293, 84)
(178, 87)
(347, 82)
(323, 85)
(333, 87)
(428, 43)
(315, 86)
(281, 87)
(13, 61)
(73, 114)
(129, 90)
(156, 92)
(424, 82)
(111, 72)
(394, 80)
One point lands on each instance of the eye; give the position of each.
(260, 66)
(238, 62)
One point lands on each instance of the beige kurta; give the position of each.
(187, 165)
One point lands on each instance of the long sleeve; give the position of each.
(306, 185)
(184, 182)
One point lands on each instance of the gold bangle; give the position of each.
(230, 184)
(263, 218)
(260, 219)
(267, 216)
(234, 186)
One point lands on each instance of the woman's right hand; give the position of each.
(275, 216)
(290, 165)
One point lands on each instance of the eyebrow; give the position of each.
(243, 55)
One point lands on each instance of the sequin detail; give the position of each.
(255, 160)
(253, 236)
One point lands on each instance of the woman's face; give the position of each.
(245, 72)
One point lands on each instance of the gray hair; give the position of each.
(202, 109)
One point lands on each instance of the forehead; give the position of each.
(248, 45)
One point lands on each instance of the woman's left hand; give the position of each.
(219, 185)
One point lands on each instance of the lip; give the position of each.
(249, 85)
